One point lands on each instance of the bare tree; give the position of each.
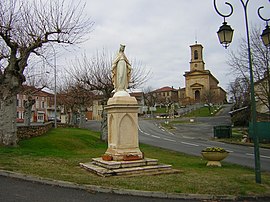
(240, 90)
(149, 97)
(260, 61)
(75, 98)
(25, 29)
(95, 72)
(208, 98)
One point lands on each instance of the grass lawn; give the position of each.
(203, 112)
(57, 155)
(161, 110)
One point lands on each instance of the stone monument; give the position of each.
(122, 110)
(123, 156)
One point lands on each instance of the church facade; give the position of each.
(200, 85)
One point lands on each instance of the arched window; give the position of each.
(196, 55)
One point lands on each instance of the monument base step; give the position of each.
(124, 164)
(127, 168)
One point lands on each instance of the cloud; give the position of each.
(159, 34)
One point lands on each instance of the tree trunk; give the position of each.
(8, 128)
(82, 118)
(27, 116)
(74, 118)
(28, 110)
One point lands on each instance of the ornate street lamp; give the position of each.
(266, 41)
(225, 34)
(228, 32)
(266, 32)
(266, 36)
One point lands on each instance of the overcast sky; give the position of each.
(159, 33)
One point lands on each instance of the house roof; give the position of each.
(165, 89)
(31, 90)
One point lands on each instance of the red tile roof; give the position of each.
(165, 89)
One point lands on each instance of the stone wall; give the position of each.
(26, 132)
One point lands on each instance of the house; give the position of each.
(262, 92)
(165, 95)
(42, 108)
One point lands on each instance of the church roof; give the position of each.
(196, 85)
(200, 72)
(197, 72)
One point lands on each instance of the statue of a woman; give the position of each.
(121, 70)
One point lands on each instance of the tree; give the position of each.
(75, 98)
(150, 100)
(209, 99)
(95, 72)
(27, 29)
(240, 90)
(240, 67)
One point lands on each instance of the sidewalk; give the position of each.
(147, 194)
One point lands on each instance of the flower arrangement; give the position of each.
(214, 149)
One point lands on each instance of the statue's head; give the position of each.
(122, 48)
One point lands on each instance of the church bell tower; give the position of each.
(196, 62)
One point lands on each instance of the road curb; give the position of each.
(150, 194)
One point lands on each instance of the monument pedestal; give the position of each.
(144, 166)
(123, 142)
(123, 156)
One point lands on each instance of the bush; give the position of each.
(241, 118)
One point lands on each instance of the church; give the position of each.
(200, 85)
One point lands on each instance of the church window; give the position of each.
(196, 55)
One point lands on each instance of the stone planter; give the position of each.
(214, 158)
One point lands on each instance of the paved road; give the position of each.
(191, 138)
(151, 134)
(17, 190)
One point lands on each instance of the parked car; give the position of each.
(52, 119)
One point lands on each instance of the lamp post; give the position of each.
(225, 34)
(55, 108)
